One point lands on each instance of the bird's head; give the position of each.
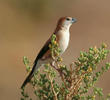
(66, 22)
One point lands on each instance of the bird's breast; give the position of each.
(63, 39)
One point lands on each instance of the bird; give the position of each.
(62, 36)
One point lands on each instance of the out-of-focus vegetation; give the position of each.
(37, 8)
(78, 81)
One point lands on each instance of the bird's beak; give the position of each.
(74, 20)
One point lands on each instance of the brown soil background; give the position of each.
(25, 25)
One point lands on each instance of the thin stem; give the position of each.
(60, 72)
(51, 82)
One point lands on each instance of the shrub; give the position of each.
(77, 81)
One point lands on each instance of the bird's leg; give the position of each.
(53, 65)
(58, 69)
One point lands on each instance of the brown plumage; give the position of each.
(59, 24)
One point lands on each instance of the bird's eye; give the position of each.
(67, 19)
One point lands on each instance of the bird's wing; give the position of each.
(41, 54)
(44, 52)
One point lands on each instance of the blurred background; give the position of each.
(25, 25)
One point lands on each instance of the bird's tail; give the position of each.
(29, 77)
(27, 80)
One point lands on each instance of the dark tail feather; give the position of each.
(27, 79)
